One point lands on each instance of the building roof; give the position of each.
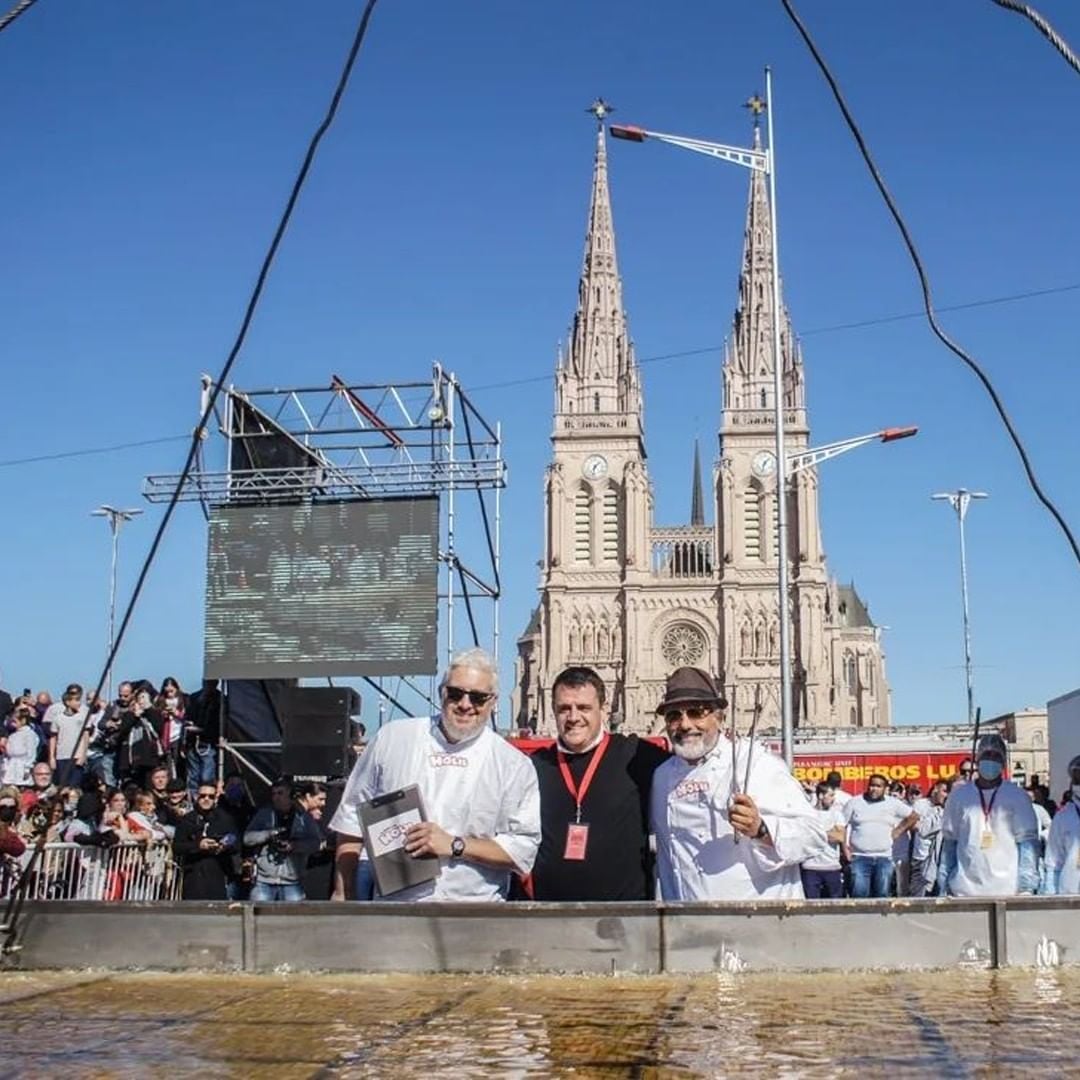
(851, 611)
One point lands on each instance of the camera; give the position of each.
(278, 845)
(39, 819)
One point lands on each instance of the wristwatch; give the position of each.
(763, 831)
(457, 847)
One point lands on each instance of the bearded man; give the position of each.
(479, 792)
(717, 836)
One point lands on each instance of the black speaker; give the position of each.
(316, 730)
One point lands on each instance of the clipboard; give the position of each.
(383, 821)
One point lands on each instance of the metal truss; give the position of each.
(369, 441)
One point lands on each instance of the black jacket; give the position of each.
(205, 872)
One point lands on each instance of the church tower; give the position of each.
(635, 600)
(597, 495)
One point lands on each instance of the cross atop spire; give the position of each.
(598, 373)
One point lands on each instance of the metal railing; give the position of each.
(128, 871)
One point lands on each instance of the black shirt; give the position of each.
(617, 865)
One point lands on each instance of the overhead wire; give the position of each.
(1042, 23)
(86, 452)
(10, 16)
(924, 281)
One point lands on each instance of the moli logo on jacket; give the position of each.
(442, 761)
(691, 787)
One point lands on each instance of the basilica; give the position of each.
(635, 599)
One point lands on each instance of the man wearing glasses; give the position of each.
(719, 837)
(480, 793)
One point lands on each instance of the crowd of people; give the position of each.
(598, 815)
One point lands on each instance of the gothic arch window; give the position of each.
(759, 639)
(582, 526)
(849, 672)
(683, 645)
(1036, 738)
(752, 521)
(764, 398)
(870, 675)
(610, 524)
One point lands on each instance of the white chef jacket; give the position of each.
(483, 787)
(991, 871)
(697, 857)
(18, 760)
(1063, 848)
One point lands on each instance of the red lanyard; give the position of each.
(987, 810)
(578, 793)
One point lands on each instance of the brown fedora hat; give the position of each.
(691, 684)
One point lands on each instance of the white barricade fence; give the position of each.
(127, 871)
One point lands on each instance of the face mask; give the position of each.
(7, 814)
(990, 769)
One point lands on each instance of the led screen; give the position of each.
(326, 589)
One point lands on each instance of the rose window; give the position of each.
(683, 645)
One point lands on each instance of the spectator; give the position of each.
(171, 703)
(205, 841)
(283, 837)
(41, 786)
(874, 820)
(318, 876)
(11, 843)
(901, 848)
(594, 800)
(106, 738)
(203, 733)
(143, 823)
(479, 791)
(175, 806)
(115, 815)
(715, 840)
(990, 835)
(822, 876)
(926, 843)
(158, 787)
(7, 706)
(834, 780)
(236, 801)
(963, 773)
(65, 725)
(139, 735)
(1063, 843)
(20, 750)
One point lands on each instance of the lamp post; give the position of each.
(117, 519)
(959, 500)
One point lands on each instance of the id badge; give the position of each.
(987, 840)
(577, 840)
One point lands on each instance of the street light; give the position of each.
(117, 518)
(763, 160)
(959, 500)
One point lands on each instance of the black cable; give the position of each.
(924, 282)
(20, 8)
(1043, 25)
(222, 379)
(91, 450)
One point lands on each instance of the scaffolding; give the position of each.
(369, 441)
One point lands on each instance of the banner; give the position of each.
(921, 769)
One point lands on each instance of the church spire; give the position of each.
(748, 361)
(697, 494)
(598, 373)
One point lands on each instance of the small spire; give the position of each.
(697, 496)
(601, 109)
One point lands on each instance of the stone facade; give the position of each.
(634, 599)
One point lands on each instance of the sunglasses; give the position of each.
(691, 712)
(477, 698)
(206, 795)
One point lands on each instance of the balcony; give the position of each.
(682, 552)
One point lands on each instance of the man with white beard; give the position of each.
(718, 837)
(479, 792)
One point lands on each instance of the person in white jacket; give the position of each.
(1063, 843)
(20, 750)
(717, 836)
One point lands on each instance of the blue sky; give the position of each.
(148, 150)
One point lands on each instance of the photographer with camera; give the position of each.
(284, 836)
(106, 737)
(205, 844)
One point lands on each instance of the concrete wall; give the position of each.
(598, 938)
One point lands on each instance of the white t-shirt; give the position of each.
(1063, 848)
(842, 798)
(484, 787)
(993, 870)
(66, 727)
(870, 825)
(696, 854)
(829, 857)
(18, 759)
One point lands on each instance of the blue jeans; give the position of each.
(871, 876)
(822, 884)
(102, 765)
(271, 894)
(365, 880)
(201, 767)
